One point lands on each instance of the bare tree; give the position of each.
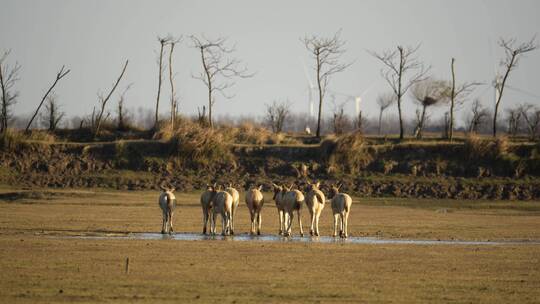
(53, 114)
(218, 70)
(426, 93)
(513, 116)
(327, 53)
(201, 116)
(162, 42)
(513, 53)
(340, 121)
(277, 114)
(384, 101)
(479, 115)
(9, 75)
(458, 95)
(174, 99)
(531, 115)
(121, 110)
(398, 64)
(59, 76)
(97, 116)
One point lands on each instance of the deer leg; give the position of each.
(336, 219)
(164, 223)
(223, 223)
(233, 212)
(317, 223)
(311, 228)
(300, 223)
(281, 222)
(346, 225)
(171, 222)
(205, 221)
(259, 222)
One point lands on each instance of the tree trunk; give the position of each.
(508, 68)
(452, 102)
(380, 120)
(421, 123)
(173, 101)
(318, 133)
(59, 76)
(104, 101)
(159, 86)
(401, 133)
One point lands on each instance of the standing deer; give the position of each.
(206, 203)
(315, 201)
(278, 198)
(289, 200)
(236, 200)
(254, 202)
(341, 207)
(222, 205)
(167, 203)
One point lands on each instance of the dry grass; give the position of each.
(347, 153)
(51, 269)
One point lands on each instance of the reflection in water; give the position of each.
(292, 239)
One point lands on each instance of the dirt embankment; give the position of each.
(437, 171)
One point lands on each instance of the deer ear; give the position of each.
(260, 187)
(339, 186)
(318, 184)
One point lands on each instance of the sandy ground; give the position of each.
(39, 264)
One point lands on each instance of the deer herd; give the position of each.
(224, 200)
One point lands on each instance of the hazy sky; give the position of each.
(94, 38)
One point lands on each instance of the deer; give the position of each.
(315, 201)
(206, 203)
(167, 203)
(222, 204)
(255, 202)
(236, 200)
(341, 207)
(288, 200)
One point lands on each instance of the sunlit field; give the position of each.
(43, 258)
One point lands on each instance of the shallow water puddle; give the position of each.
(294, 239)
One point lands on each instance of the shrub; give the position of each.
(475, 148)
(347, 153)
(11, 140)
(198, 146)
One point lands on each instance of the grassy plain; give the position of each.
(38, 264)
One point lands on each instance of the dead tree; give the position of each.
(399, 64)
(218, 69)
(276, 115)
(340, 120)
(327, 53)
(53, 113)
(426, 93)
(514, 120)
(9, 75)
(162, 42)
(479, 115)
(59, 76)
(512, 55)
(103, 102)
(121, 110)
(458, 95)
(201, 116)
(384, 101)
(174, 99)
(531, 115)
